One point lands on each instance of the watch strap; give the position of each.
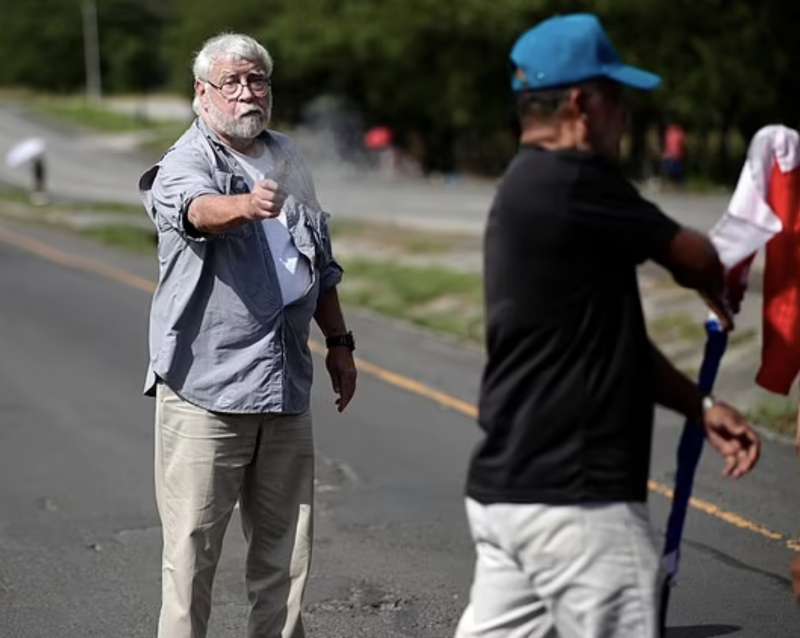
(345, 340)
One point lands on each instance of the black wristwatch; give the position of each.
(346, 340)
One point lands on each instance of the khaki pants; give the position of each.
(204, 463)
(572, 571)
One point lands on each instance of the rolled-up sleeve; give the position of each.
(184, 175)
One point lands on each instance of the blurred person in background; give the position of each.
(245, 263)
(673, 158)
(557, 490)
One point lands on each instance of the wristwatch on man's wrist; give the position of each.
(345, 340)
(707, 402)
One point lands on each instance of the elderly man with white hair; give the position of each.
(245, 263)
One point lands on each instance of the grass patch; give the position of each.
(436, 298)
(679, 326)
(81, 112)
(9, 193)
(103, 207)
(162, 137)
(158, 135)
(703, 185)
(14, 194)
(776, 414)
(406, 240)
(138, 240)
(741, 337)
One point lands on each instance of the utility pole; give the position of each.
(91, 50)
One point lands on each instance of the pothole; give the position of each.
(365, 599)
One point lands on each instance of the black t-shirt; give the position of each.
(567, 394)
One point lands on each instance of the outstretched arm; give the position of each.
(217, 213)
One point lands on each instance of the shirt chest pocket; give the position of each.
(231, 184)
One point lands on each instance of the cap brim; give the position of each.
(633, 77)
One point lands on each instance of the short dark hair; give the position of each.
(540, 105)
(543, 106)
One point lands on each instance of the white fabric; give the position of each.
(736, 239)
(25, 151)
(204, 463)
(294, 273)
(749, 223)
(573, 571)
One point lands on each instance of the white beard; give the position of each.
(247, 127)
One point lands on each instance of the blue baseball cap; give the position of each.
(570, 49)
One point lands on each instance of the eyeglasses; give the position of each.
(232, 88)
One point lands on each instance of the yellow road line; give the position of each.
(75, 261)
(729, 517)
(391, 378)
(409, 385)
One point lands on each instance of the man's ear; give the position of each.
(200, 88)
(574, 106)
(579, 101)
(578, 109)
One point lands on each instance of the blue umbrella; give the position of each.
(689, 451)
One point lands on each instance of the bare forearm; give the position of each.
(328, 314)
(217, 213)
(693, 261)
(674, 390)
(724, 427)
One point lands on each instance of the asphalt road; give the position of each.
(79, 537)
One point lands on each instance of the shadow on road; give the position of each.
(701, 631)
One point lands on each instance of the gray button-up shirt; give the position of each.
(220, 336)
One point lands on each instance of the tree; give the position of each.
(436, 71)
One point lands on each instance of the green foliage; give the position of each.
(41, 44)
(436, 70)
(775, 413)
(43, 48)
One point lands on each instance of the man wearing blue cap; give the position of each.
(556, 493)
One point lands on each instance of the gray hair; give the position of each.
(228, 45)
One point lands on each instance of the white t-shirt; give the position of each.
(294, 274)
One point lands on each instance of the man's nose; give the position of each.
(246, 94)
